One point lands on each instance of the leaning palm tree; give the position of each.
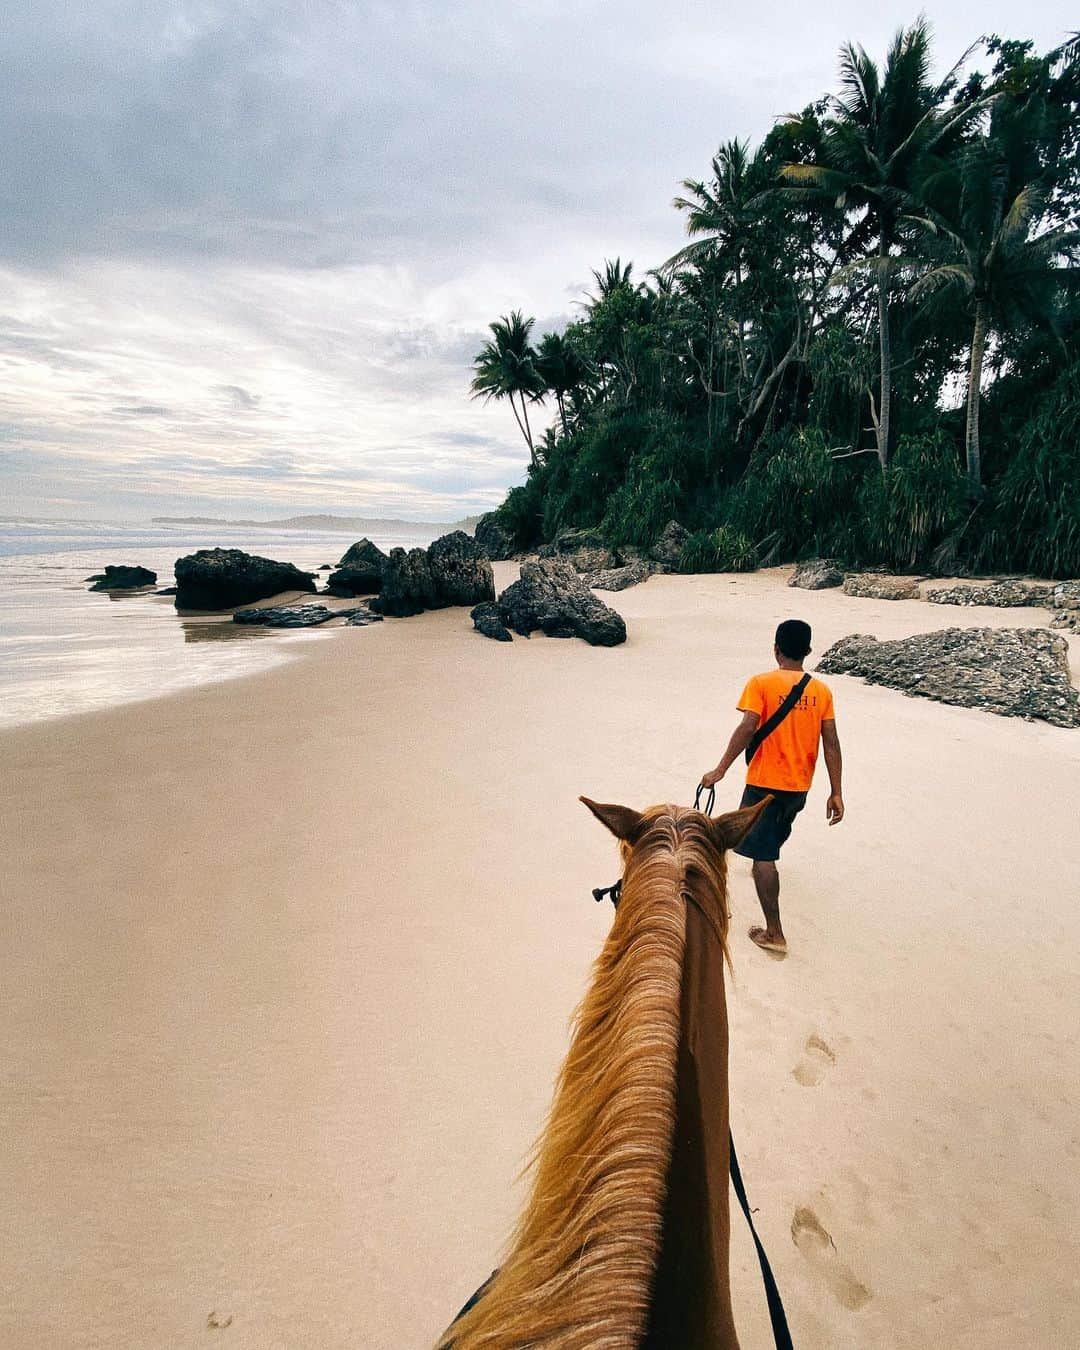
(874, 148)
(982, 246)
(506, 368)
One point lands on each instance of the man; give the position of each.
(783, 766)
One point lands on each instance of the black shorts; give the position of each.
(769, 835)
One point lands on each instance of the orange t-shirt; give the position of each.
(785, 760)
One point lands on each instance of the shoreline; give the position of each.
(287, 968)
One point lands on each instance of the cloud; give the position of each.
(250, 238)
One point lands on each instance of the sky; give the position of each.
(249, 249)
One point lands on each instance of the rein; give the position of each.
(777, 1316)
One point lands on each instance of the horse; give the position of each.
(624, 1241)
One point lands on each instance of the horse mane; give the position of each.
(580, 1266)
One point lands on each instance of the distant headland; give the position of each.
(337, 524)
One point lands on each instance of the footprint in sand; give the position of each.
(820, 1251)
(814, 1063)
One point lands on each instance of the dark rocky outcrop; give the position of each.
(620, 578)
(453, 571)
(818, 574)
(493, 539)
(359, 572)
(166, 590)
(360, 618)
(407, 585)
(486, 620)
(551, 597)
(1017, 672)
(878, 586)
(669, 545)
(122, 578)
(291, 616)
(1006, 594)
(460, 571)
(222, 578)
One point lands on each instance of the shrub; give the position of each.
(721, 550)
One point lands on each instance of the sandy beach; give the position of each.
(287, 964)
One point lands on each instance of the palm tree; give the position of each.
(982, 246)
(883, 128)
(560, 366)
(506, 368)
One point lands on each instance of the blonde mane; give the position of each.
(579, 1270)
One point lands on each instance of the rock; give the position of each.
(166, 590)
(619, 578)
(486, 620)
(584, 549)
(1017, 672)
(122, 578)
(359, 572)
(407, 585)
(878, 586)
(550, 596)
(222, 578)
(325, 567)
(493, 538)
(1065, 595)
(1068, 619)
(669, 546)
(818, 574)
(1001, 593)
(360, 618)
(461, 573)
(290, 616)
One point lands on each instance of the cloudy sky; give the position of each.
(248, 249)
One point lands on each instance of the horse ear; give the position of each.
(620, 820)
(732, 828)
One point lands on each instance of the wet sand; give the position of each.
(287, 962)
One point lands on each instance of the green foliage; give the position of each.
(724, 549)
(925, 229)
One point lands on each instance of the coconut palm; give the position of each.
(983, 246)
(506, 368)
(560, 366)
(882, 130)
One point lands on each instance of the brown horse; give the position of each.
(624, 1242)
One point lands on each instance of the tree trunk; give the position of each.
(528, 432)
(521, 428)
(885, 403)
(974, 454)
(562, 413)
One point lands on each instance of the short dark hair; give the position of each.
(793, 639)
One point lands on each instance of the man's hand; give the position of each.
(713, 777)
(834, 808)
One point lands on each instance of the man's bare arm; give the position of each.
(740, 739)
(834, 763)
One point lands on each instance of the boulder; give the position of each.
(486, 620)
(290, 616)
(122, 578)
(407, 585)
(222, 578)
(1064, 595)
(669, 545)
(166, 590)
(878, 586)
(461, 573)
(1005, 594)
(619, 578)
(1016, 672)
(494, 540)
(817, 574)
(1068, 619)
(359, 572)
(551, 597)
(360, 618)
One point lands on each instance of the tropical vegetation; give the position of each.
(868, 349)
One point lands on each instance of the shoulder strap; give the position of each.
(767, 728)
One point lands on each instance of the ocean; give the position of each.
(65, 649)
